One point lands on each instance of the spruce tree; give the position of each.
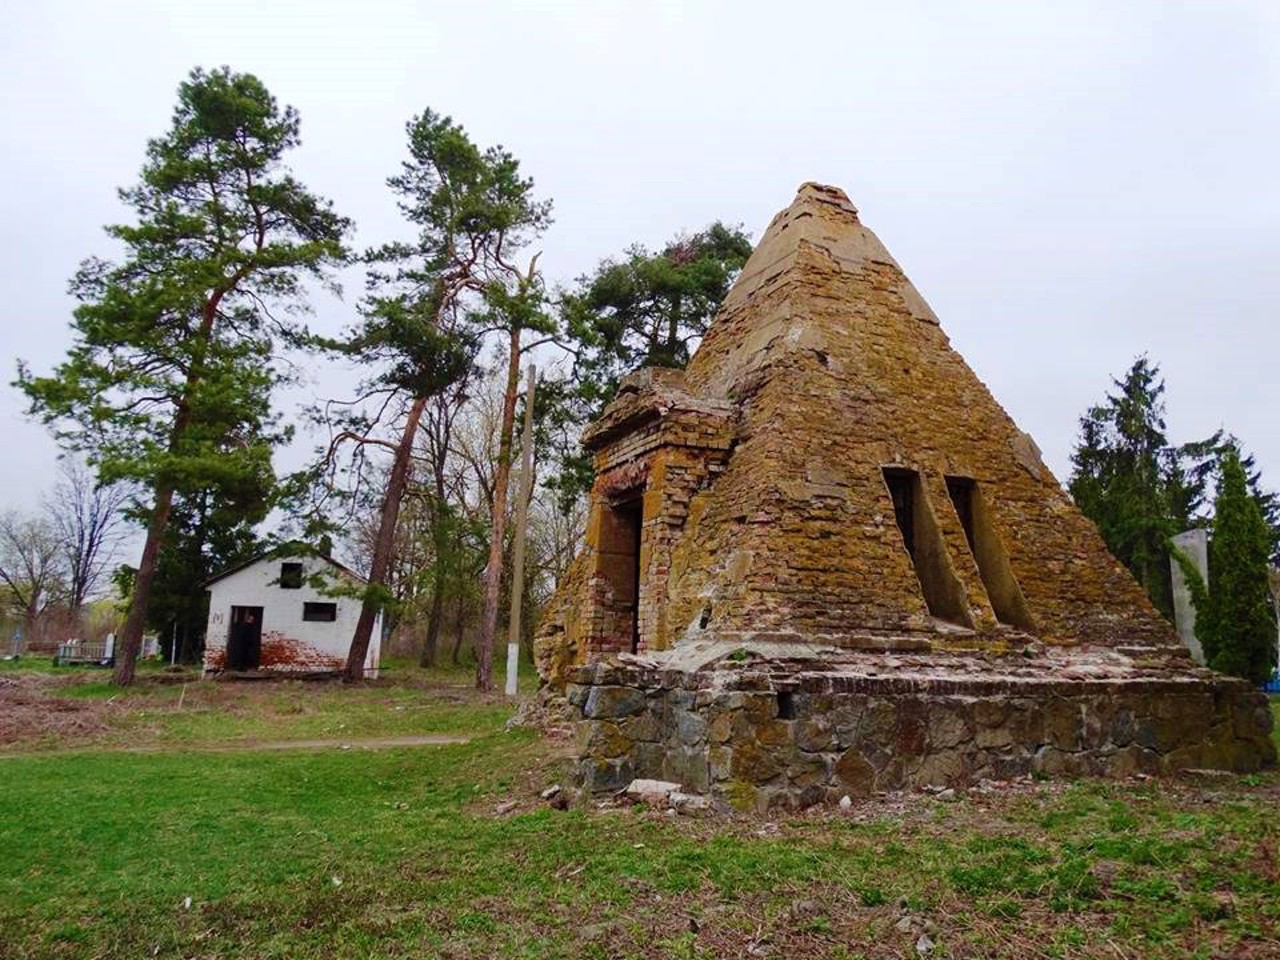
(1236, 624)
(171, 368)
(1127, 480)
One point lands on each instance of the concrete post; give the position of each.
(522, 524)
(1193, 544)
(1273, 580)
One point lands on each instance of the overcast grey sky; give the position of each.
(1069, 184)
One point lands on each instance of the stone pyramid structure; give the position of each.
(830, 491)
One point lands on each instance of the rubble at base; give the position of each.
(761, 734)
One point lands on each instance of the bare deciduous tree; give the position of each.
(31, 565)
(89, 520)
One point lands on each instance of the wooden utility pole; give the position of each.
(522, 522)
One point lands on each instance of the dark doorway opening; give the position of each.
(621, 534)
(244, 642)
(635, 518)
(943, 593)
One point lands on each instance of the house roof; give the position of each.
(282, 554)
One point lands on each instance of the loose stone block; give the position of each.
(613, 702)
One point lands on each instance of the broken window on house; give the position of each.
(1007, 602)
(320, 612)
(291, 575)
(943, 593)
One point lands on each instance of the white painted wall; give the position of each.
(322, 644)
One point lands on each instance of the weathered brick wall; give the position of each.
(662, 448)
(827, 366)
(840, 369)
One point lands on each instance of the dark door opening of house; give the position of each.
(244, 642)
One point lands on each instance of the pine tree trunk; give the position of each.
(498, 521)
(130, 642)
(384, 545)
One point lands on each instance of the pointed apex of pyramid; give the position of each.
(820, 217)
(803, 250)
(811, 192)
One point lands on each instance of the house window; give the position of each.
(324, 612)
(291, 576)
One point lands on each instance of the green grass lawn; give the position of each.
(407, 702)
(401, 853)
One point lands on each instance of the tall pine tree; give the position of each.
(1140, 490)
(174, 345)
(473, 211)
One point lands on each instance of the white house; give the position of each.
(266, 615)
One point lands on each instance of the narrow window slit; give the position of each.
(1007, 601)
(943, 594)
(960, 489)
(901, 492)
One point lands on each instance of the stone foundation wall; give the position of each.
(760, 741)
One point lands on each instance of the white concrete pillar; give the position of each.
(1193, 544)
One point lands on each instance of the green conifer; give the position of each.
(1236, 625)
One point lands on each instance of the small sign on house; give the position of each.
(281, 614)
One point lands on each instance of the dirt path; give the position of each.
(246, 746)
